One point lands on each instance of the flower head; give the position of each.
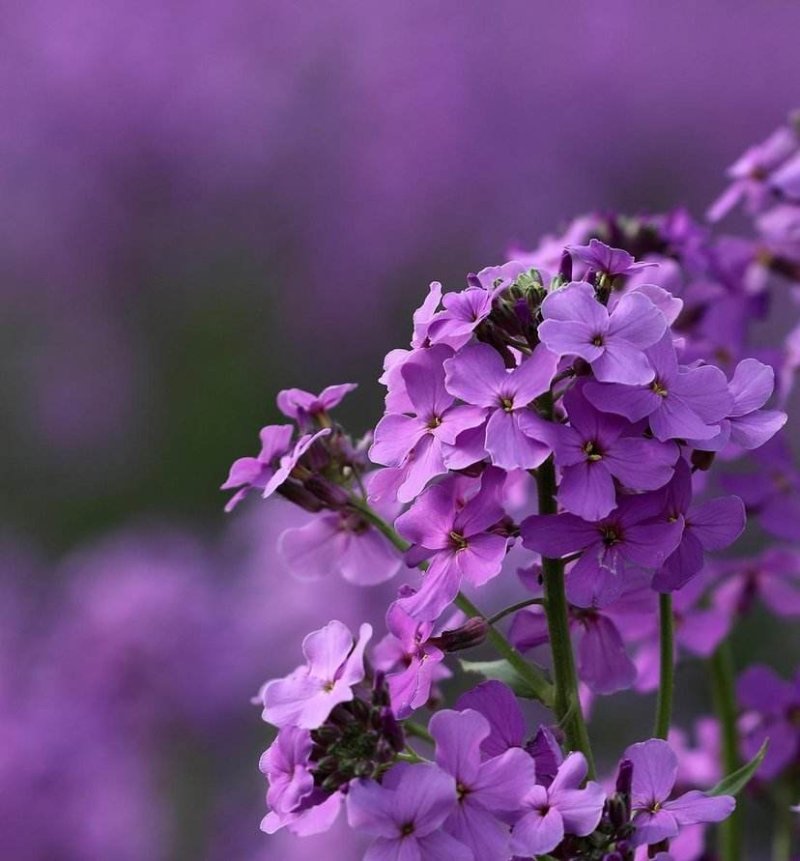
(657, 816)
(613, 342)
(333, 665)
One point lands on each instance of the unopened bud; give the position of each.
(472, 633)
(625, 777)
(298, 495)
(617, 811)
(565, 267)
(328, 493)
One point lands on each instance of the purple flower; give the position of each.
(771, 705)
(406, 813)
(334, 664)
(248, 473)
(340, 540)
(304, 407)
(774, 577)
(462, 314)
(290, 460)
(487, 788)
(747, 425)
(478, 376)
(700, 626)
(773, 491)
(561, 808)
(497, 703)
(656, 817)
(752, 170)
(613, 342)
(751, 387)
(603, 661)
(707, 526)
(631, 535)
(700, 765)
(597, 448)
(457, 536)
(599, 257)
(416, 443)
(294, 802)
(407, 644)
(680, 403)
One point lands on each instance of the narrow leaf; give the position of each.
(734, 783)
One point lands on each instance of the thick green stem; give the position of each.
(723, 675)
(666, 683)
(533, 676)
(567, 704)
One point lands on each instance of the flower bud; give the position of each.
(472, 633)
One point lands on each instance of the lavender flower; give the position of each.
(576, 324)
(595, 449)
(248, 473)
(711, 525)
(487, 788)
(416, 444)
(771, 705)
(459, 537)
(679, 403)
(566, 806)
(334, 664)
(408, 646)
(656, 816)
(405, 814)
(477, 375)
(631, 535)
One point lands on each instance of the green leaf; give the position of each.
(734, 783)
(502, 671)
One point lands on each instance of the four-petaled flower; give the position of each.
(405, 814)
(564, 807)
(656, 816)
(333, 665)
(478, 376)
(613, 342)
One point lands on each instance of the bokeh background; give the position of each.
(203, 203)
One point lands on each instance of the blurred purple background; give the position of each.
(203, 203)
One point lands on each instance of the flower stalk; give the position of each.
(723, 675)
(666, 685)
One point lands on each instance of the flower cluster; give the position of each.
(564, 414)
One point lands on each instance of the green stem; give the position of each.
(507, 611)
(534, 677)
(723, 675)
(417, 731)
(666, 684)
(782, 835)
(567, 704)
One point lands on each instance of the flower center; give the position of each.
(592, 451)
(507, 403)
(658, 388)
(458, 540)
(598, 341)
(611, 536)
(434, 422)
(407, 830)
(462, 790)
